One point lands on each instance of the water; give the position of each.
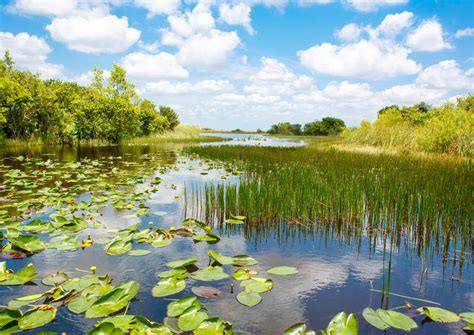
(334, 273)
(253, 140)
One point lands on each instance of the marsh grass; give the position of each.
(423, 204)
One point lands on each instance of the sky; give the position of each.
(249, 64)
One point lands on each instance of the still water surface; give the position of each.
(334, 274)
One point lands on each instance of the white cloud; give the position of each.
(200, 87)
(370, 59)
(44, 7)
(30, 52)
(428, 37)
(150, 47)
(373, 5)
(350, 32)
(446, 74)
(85, 79)
(237, 15)
(393, 24)
(158, 7)
(411, 94)
(207, 50)
(93, 31)
(464, 33)
(162, 65)
(275, 78)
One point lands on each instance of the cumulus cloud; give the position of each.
(30, 52)
(373, 5)
(368, 59)
(350, 32)
(207, 50)
(159, 7)
(274, 77)
(237, 15)
(162, 65)
(149, 47)
(201, 87)
(393, 24)
(44, 7)
(94, 31)
(446, 74)
(412, 93)
(428, 37)
(467, 32)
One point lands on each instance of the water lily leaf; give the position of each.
(206, 292)
(341, 324)
(106, 328)
(21, 277)
(243, 274)
(160, 242)
(234, 221)
(123, 322)
(179, 273)
(80, 304)
(55, 279)
(191, 318)
(299, 329)
(139, 252)
(249, 298)
(28, 243)
(118, 246)
(7, 316)
(37, 316)
(396, 320)
(374, 319)
(144, 326)
(168, 286)
(219, 258)
(79, 284)
(244, 260)
(214, 326)
(209, 273)
(176, 308)
(238, 217)
(283, 270)
(182, 262)
(114, 301)
(258, 285)
(439, 315)
(467, 316)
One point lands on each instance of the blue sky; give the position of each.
(249, 64)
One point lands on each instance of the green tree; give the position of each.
(170, 115)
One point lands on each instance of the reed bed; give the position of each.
(424, 204)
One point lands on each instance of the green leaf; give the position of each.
(439, 315)
(113, 301)
(258, 285)
(182, 262)
(234, 221)
(139, 252)
(106, 328)
(191, 318)
(396, 320)
(283, 270)
(243, 274)
(21, 277)
(179, 273)
(238, 217)
(209, 273)
(176, 308)
(341, 324)
(298, 329)
(28, 243)
(168, 286)
(467, 316)
(8, 315)
(374, 319)
(244, 260)
(37, 316)
(249, 298)
(118, 246)
(214, 326)
(55, 279)
(160, 242)
(219, 258)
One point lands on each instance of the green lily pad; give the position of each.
(299, 329)
(467, 316)
(36, 317)
(249, 298)
(283, 270)
(21, 277)
(342, 324)
(179, 273)
(28, 243)
(238, 217)
(139, 252)
(182, 262)
(176, 308)
(439, 315)
(258, 285)
(106, 328)
(191, 318)
(55, 279)
(374, 319)
(219, 258)
(113, 301)
(396, 320)
(244, 260)
(214, 326)
(243, 274)
(234, 221)
(8, 315)
(209, 273)
(118, 246)
(168, 286)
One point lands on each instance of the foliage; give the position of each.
(327, 126)
(445, 129)
(54, 111)
(285, 128)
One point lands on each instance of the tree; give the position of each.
(328, 126)
(170, 115)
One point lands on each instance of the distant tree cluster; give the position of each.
(63, 112)
(327, 126)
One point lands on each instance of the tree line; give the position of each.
(327, 126)
(55, 111)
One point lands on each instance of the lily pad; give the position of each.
(258, 285)
(219, 258)
(234, 221)
(244, 260)
(243, 274)
(299, 329)
(21, 277)
(36, 317)
(342, 324)
(209, 273)
(396, 320)
(176, 308)
(249, 298)
(8, 315)
(113, 301)
(283, 270)
(214, 326)
(374, 319)
(191, 318)
(439, 314)
(139, 252)
(168, 286)
(28, 243)
(106, 328)
(182, 262)
(206, 292)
